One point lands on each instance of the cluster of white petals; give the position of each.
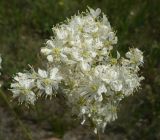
(81, 66)
(28, 86)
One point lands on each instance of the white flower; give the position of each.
(48, 80)
(135, 56)
(107, 73)
(51, 51)
(116, 85)
(22, 88)
(61, 33)
(95, 13)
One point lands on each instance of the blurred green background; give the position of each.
(25, 25)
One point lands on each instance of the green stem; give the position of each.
(98, 135)
(16, 116)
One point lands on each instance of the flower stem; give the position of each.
(25, 130)
(98, 135)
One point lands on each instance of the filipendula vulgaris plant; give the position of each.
(81, 67)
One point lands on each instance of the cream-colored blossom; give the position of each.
(80, 66)
(22, 88)
(48, 80)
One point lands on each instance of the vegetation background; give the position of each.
(24, 27)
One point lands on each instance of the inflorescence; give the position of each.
(81, 66)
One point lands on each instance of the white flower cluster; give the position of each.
(82, 67)
(27, 87)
